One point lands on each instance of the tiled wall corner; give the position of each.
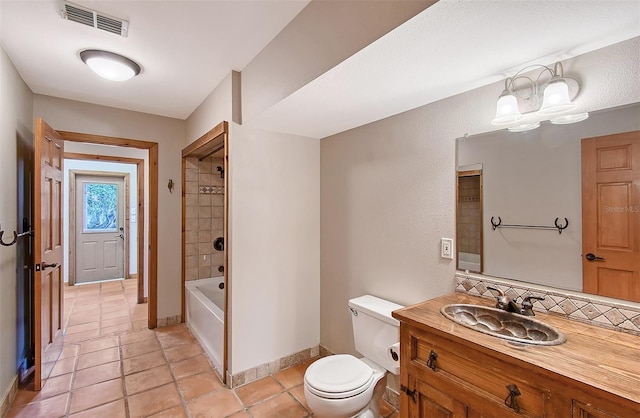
(582, 307)
(273, 367)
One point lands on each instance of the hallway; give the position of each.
(112, 366)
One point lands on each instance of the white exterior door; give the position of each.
(100, 228)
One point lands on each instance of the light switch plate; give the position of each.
(446, 248)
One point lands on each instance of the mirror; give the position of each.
(528, 180)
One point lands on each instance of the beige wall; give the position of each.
(16, 124)
(275, 245)
(68, 115)
(388, 191)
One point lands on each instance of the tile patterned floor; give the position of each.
(113, 367)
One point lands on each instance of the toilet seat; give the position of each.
(338, 376)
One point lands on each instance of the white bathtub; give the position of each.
(469, 261)
(205, 316)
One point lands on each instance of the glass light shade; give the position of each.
(566, 119)
(556, 98)
(524, 127)
(109, 65)
(507, 110)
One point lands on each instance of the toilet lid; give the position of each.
(338, 376)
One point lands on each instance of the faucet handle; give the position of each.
(500, 292)
(502, 301)
(527, 300)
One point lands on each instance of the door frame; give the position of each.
(152, 148)
(202, 147)
(72, 218)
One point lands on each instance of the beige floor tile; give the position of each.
(83, 318)
(194, 365)
(56, 385)
(143, 362)
(98, 357)
(63, 366)
(47, 408)
(82, 336)
(291, 377)
(115, 321)
(154, 401)
(175, 412)
(281, 406)
(168, 340)
(386, 410)
(115, 329)
(215, 405)
(198, 385)
(140, 347)
(114, 409)
(135, 336)
(148, 379)
(69, 351)
(97, 374)
(241, 414)
(95, 395)
(98, 344)
(182, 352)
(115, 314)
(74, 329)
(258, 391)
(298, 393)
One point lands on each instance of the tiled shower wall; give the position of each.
(469, 214)
(204, 194)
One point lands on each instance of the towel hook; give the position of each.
(7, 244)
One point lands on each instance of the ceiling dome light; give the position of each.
(556, 98)
(507, 109)
(109, 65)
(566, 119)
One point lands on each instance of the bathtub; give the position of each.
(205, 316)
(469, 261)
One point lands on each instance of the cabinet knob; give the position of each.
(431, 362)
(511, 400)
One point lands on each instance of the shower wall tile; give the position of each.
(191, 175)
(204, 261)
(191, 212)
(205, 179)
(191, 187)
(191, 249)
(205, 237)
(204, 200)
(191, 163)
(191, 224)
(218, 200)
(191, 261)
(205, 166)
(204, 212)
(204, 272)
(204, 224)
(191, 274)
(191, 200)
(217, 212)
(191, 237)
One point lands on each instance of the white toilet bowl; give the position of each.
(343, 386)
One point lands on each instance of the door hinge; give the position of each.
(410, 393)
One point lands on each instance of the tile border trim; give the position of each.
(595, 310)
(9, 397)
(273, 367)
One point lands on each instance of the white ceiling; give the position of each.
(187, 47)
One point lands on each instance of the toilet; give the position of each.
(344, 386)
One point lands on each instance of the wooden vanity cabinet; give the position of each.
(446, 374)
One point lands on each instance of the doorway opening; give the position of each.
(205, 239)
(469, 221)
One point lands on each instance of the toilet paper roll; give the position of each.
(393, 353)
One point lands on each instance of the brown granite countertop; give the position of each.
(605, 359)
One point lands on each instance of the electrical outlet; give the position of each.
(446, 248)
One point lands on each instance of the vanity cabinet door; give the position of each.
(581, 410)
(430, 402)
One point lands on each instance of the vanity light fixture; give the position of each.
(109, 65)
(523, 108)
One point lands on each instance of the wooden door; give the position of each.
(99, 228)
(431, 402)
(611, 215)
(48, 254)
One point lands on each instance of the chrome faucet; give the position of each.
(506, 303)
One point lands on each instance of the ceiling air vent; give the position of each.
(93, 18)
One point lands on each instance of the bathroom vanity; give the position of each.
(449, 370)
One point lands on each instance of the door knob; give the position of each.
(593, 257)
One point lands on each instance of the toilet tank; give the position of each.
(375, 330)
